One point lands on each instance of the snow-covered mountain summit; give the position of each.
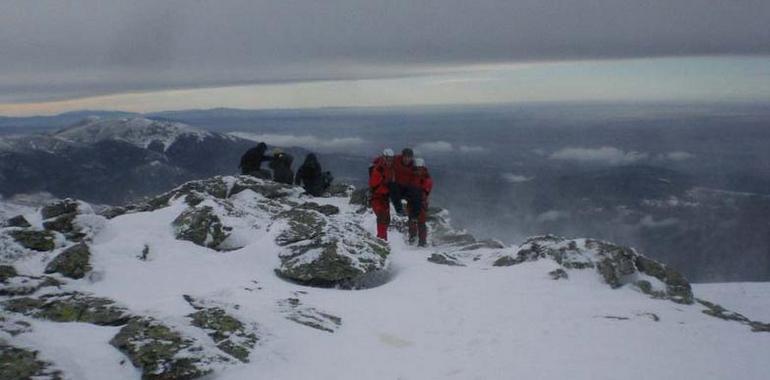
(243, 278)
(138, 131)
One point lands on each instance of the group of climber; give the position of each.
(395, 179)
(310, 175)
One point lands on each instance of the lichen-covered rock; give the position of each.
(327, 210)
(229, 334)
(6, 272)
(445, 259)
(161, 352)
(220, 187)
(617, 265)
(558, 274)
(18, 363)
(66, 206)
(200, 225)
(62, 223)
(303, 225)
(18, 221)
(325, 251)
(70, 307)
(717, 311)
(26, 285)
(35, 240)
(309, 316)
(73, 262)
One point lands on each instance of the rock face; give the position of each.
(74, 262)
(617, 265)
(327, 251)
(161, 352)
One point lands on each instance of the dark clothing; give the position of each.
(281, 165)
(311, 176)
(251, 161)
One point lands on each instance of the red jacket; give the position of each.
(422, 180)
(380, 175)
(404, 173)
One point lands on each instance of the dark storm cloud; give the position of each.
(60, 49)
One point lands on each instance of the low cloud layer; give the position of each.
(313, 143)
(64, 49)
(447, 147)
(604, 155)
(609, 155)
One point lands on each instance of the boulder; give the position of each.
(308, 316)
(18, 221)
(324, 251)
(35, 240)
(360, 197)
(202, 226)
(161, 352)
(73, 262)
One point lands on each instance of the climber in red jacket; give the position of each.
(381, 179)
(422, 182)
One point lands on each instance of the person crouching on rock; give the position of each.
(251, 162)
(312, 178)
(281, 165)
(423, 183)
(381, 177)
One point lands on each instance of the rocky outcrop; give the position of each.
(19, 363)
(162, 352)
(229, 334)
(70, 307)
(617, 265)
(73, 262)
(19, 285)
(717, 311)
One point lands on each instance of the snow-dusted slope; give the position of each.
(138, 131)
(471, 320)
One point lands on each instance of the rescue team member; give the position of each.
(381, 179)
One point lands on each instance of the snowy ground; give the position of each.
(428, 322)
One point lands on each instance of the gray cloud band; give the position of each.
(76, 48)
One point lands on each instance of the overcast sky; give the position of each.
(63, 50)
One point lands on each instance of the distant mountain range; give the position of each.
(114, 160)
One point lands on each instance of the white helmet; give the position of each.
(387, 152)
(419, 162)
